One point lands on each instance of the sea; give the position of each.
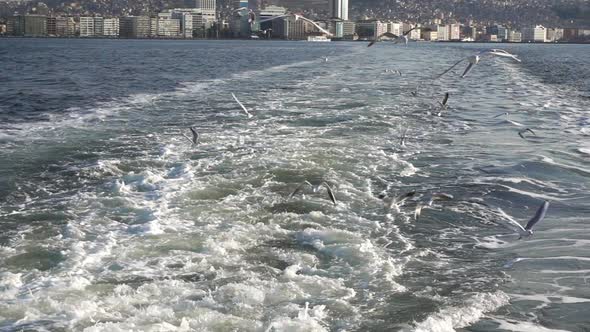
(111, 219)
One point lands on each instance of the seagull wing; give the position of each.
(408, 32)
(401, 198)
(509, 222)
(299, 188)
(468, 69)
(531, 131)
(453, 66)
(418, 211)
(195, 139)
(188, 138)
(505, 113)
(539, 215)
(330, 192)
(242, 105)
(444, 102)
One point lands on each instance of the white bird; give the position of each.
(499, 115)
(396, 38)
(402, 141)
(195, 139)
(528, 229)
(476, 58)
(433, 197)
(389, 202)
(315, 188)
(242, 105)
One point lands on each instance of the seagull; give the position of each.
(474, 59)
(397, 200)
(443, 104)
(326, 59)
(315, 188)
(195, 139)
(499, 115)
(433, 197)
(242, 105)
(402, 141)
(528, 229)
(520, 133)
(396, 38)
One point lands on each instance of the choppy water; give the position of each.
(111, 221)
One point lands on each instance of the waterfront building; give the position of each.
(454, 32)
(206, 9)
(91, 26)
(514, 37)
(65, 27)
(443, 33)
(111, 27)
(348, 29)
(554, 34)
(395, 27)
(52, 26)
(168, 27)
(27, 25)
(134, 27)
(370, 29)
(430, 35)
(338, 9)
(534, 34)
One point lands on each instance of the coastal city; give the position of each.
(290, 21)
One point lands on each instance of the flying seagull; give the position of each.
(520, 133)
(315, 188)
(433, 197)
(528, 229)
(242, 105)
(396, 200)
(475, 58)
(443, 104)
(195, 139)
(402, 141)
(396, 38)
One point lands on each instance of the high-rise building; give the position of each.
(206, 6)
(27, 25)
(65, 26)
(338, 9)
(111, 27)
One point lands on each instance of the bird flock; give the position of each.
(427, 200)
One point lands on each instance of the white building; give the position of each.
(443, 33)
(86, 26)
(338, 9)
(168, 27)
(395, 27)
(534, 34)
(111, 27)
(454, 32)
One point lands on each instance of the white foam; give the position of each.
(451, 318)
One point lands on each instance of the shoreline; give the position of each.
(278, 39)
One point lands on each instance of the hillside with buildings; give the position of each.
(433, 20)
